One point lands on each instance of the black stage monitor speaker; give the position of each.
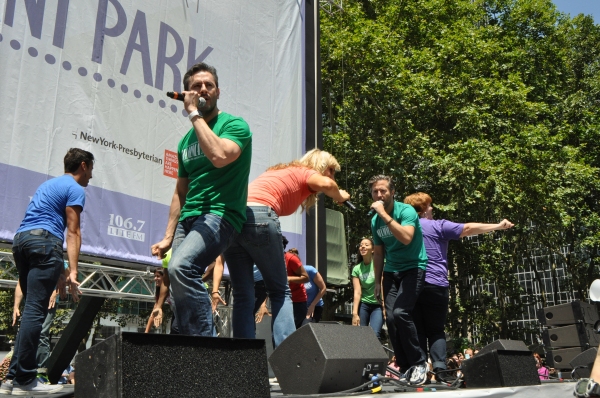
(159, 365)
(502, 344)
(578, 334)
(585, 359)
(500, 368)
(567, 314)
(561, 358)
(320, 358)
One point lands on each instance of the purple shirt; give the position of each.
(436, 235)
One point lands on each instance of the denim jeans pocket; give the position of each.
(256, 234)
(45, 253)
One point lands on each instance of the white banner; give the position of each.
(93, 74)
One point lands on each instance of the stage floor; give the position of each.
(547, 390)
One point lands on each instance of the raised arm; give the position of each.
(474, 228)
(181, 188)
(73, 247)
(219, 151)
(356, 301)
(320, 183)
(404, 233)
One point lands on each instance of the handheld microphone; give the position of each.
(179, 96)
(372, 211)
(349, 205)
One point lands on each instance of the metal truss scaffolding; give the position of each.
(96, 280)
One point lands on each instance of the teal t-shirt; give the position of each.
(398, 256)
(366, 276)
(221, 191)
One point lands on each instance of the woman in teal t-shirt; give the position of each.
(366, 309)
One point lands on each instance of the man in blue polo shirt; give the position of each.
(38, 253)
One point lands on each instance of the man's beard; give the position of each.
(387, 204)
(207, 111)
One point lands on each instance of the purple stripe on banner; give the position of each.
(113, 225)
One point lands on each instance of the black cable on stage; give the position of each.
(356, 391)
(351, 392)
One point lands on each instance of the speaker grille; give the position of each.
(154, 365)
(320, 358)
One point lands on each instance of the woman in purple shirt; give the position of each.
(432, 305)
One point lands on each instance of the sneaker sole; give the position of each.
(46, 392)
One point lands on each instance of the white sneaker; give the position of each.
(7, 387)
(418, 376)
(36, 388)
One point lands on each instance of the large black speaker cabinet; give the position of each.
(562, 357)
(566, 314)
(502, 344)
(585, 359)
(578, 334)
(320, 358)
(159, 365)
(500, 368)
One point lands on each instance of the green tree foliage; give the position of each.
(491, 107)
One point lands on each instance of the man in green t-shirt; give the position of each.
(208, 207)
(397, 235)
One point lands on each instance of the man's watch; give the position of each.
(587, 388)
(195, 113)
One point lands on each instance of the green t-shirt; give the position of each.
(398, 256)
(221, 191)
(366, 276)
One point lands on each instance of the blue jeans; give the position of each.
(430, 318)
(39, 258)
(371, 314)
(260, 244)
(43, 351)
(198, 241)
(401, 290)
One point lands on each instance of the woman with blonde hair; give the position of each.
(277, 192)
